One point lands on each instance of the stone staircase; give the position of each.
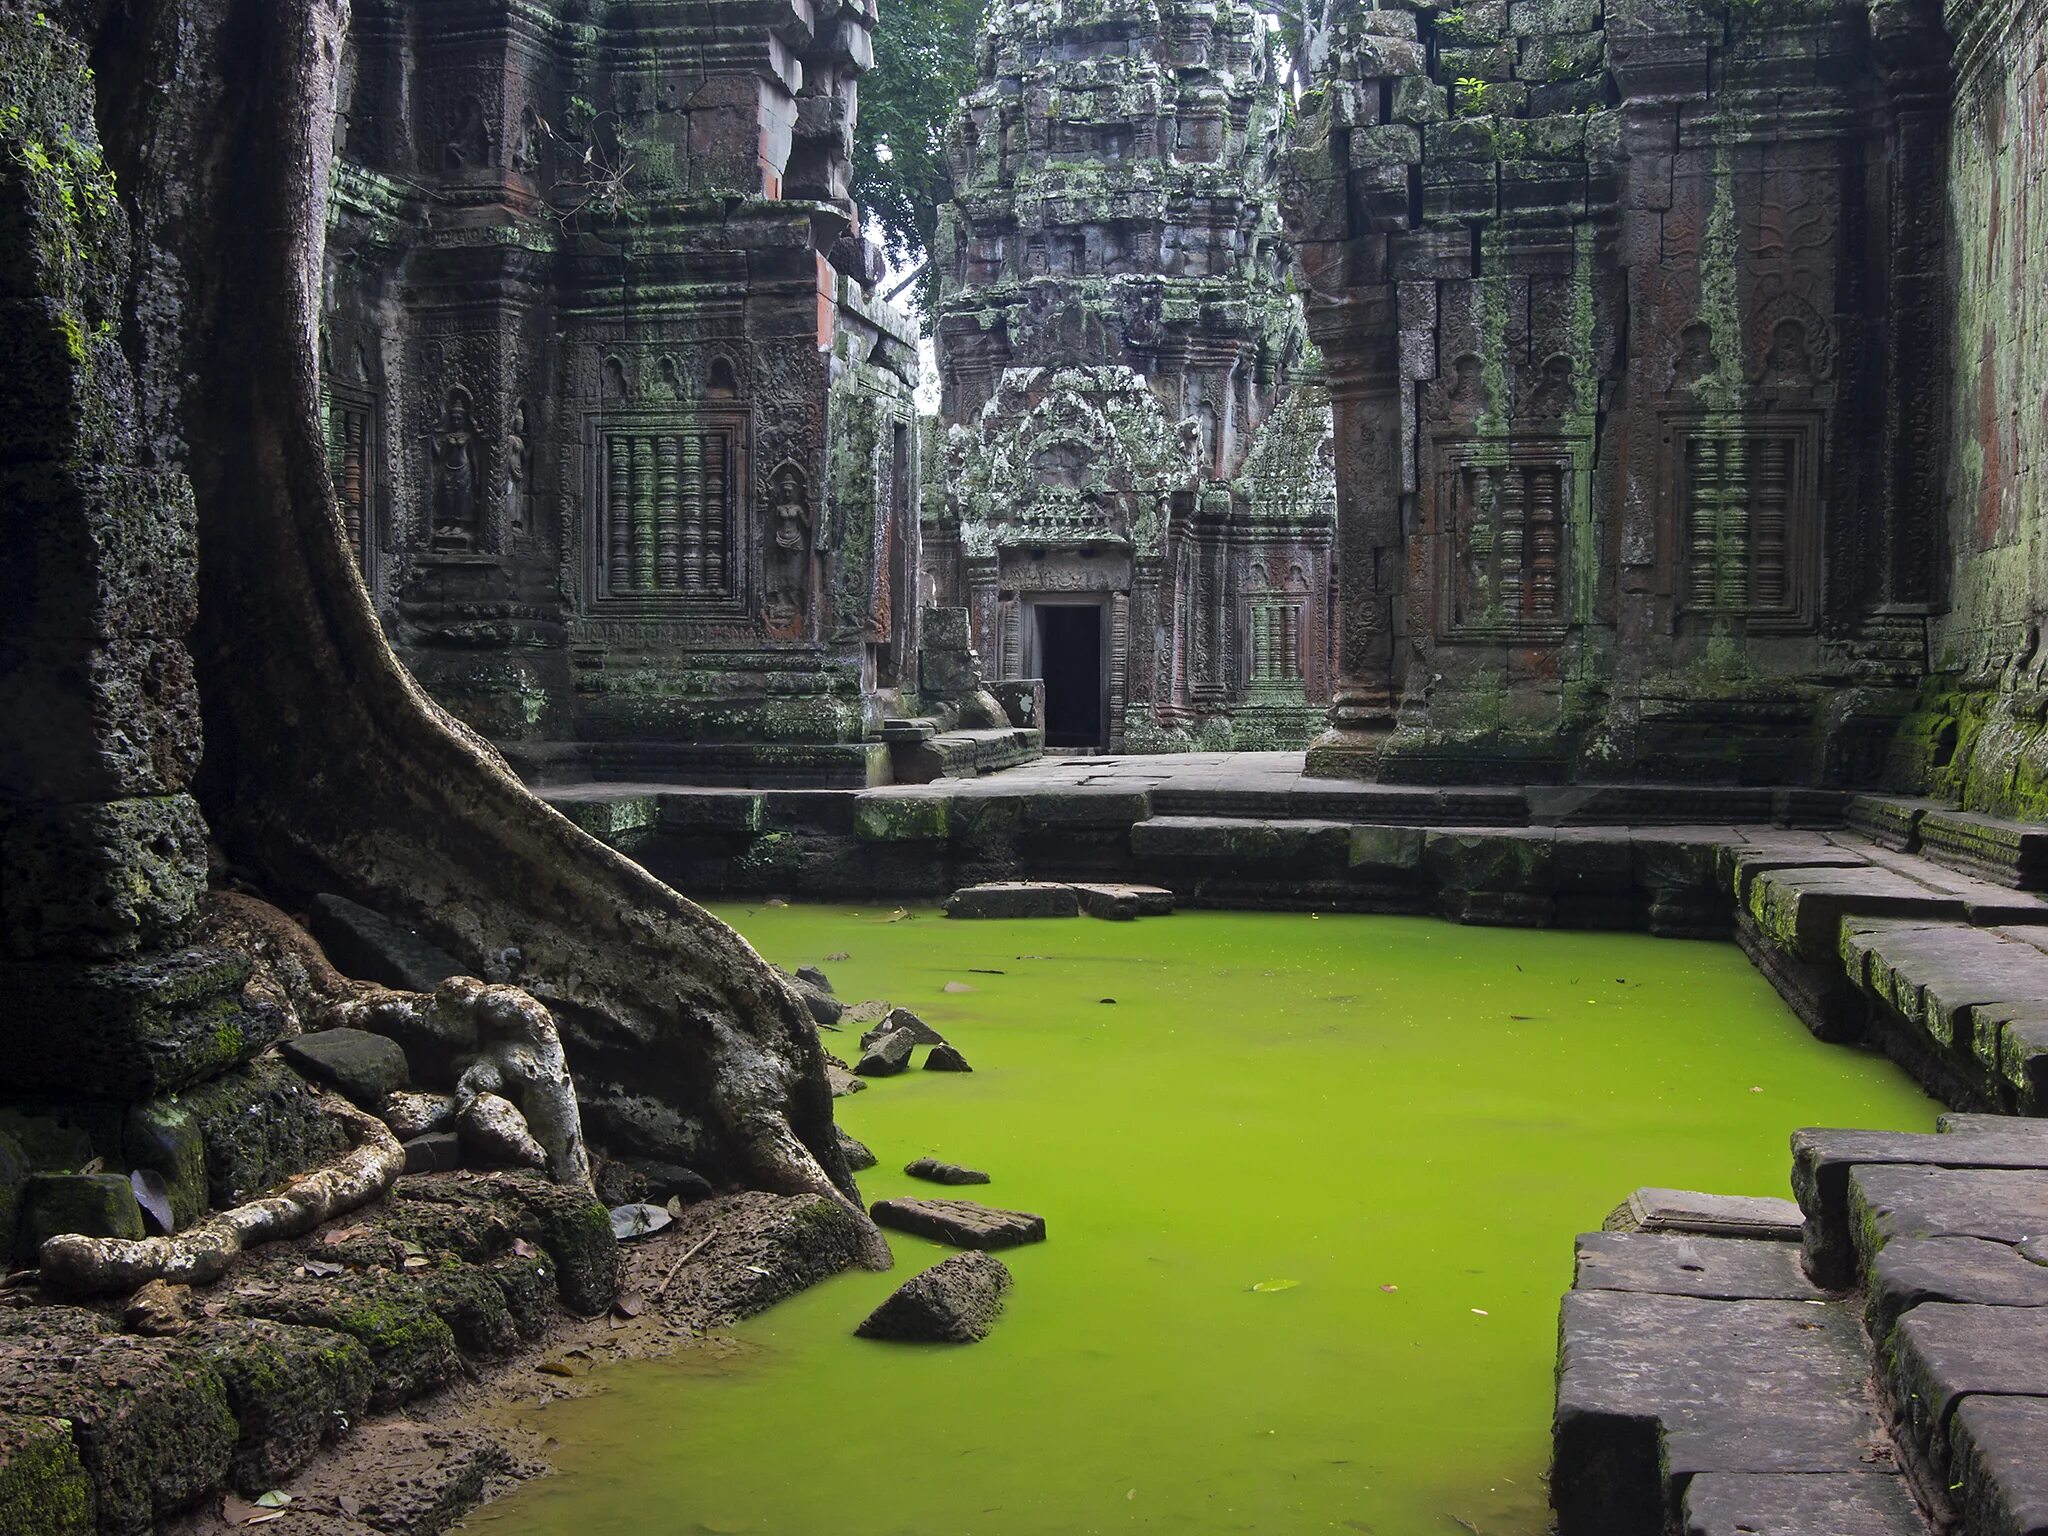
(1876, 1366)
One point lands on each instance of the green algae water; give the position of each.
(1310, 1183)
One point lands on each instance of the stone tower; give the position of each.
(623, 435)
(1137, 496)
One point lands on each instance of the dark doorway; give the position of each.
(1070, 661)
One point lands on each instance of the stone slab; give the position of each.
(1993, 1125)
(1871, 1503)
(1261, 848)
(1654, 1389)
(1802, 909)
(1119, 903)
(963, 1223)
(368, 946)
(1941, 1353)
(1970, 1270)
(1655, 1209)
(1823, 1160)
(956, 1302)
(1999, 1456)
(1682, 1264)
(2000, 1205)
(1014, 899)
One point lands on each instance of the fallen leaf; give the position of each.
(524, 1249)
(1481, 1312)
(629, 1305)
(346, 1235)
(956, 987)
(1105, 999)
(1390, 1287)
(555, 1368)
(631, 1221)
(277, 1498)
(982, 970)
(1267, 1287)
(154, 1196)
(416, 1262)
(897, 916)
(349, 1505)
(320, 1269)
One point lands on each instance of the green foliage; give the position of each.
(1471, 95)
(924, 69)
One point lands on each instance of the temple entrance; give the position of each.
(1070, 655)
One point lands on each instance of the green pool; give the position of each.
(1311, 1185)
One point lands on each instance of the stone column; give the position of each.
(1347, 189)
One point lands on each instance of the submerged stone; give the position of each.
(956, 1302)
(1014, 899)
(939, 1172)
(889, 1055)
(963, 1223)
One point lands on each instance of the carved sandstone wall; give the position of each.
(620, 425)
(1632, 315)
(1980, 734)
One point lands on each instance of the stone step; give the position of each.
(1658, 1393)
(1823, 1163)
(1944, 1357)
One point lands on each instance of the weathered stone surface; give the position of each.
(889, 1055)
(1678, 1264)
(1869, 1503)
(434, 1152)
(2003, 1205)
(946, 1058)
(1822, 1162)
(1912, 1270)
(493, 1129)
(962, 1223)
(1653, 1389)
(1995, 1458)
(366, 1068)
(841, 1081)
(291, 1391)
(370, 947)
(938, 1171)
(1014, 899)
(261, 1125)
(43, 1487)
(1941, 1354)
(956, 1302)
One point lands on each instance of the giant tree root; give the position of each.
(327, 767)
(74, 1265)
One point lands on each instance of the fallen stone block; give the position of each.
(940, 1172)
(43, 1488)
(962, 1223)
(1686, 1210)
(858, 1156)
(95, 1204)
(902, 1019)
(365, 1068)
(889, 1055)
(956, 1302)
(1014, 899)
(1891, 1202)
(2009, 853)
(946, 1058)
(1121, 903)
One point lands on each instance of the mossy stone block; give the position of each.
(43, 1486)
(261, 1125)
(291, 1391)
(900, 819)
(162, 1135)
(95, 1204)
(410, 1347)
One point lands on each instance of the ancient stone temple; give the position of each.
(1136, 499)
(620, 425)
(1633, 316)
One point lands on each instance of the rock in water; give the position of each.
(944, 1173)
(962, 1223)
(946, 1058)
(857, 1154)
(810, 975)
(842, 1081)
(887, 1056)
(1014, 898)
(412, 1114)
(956, 1302)
(364, 1067)
(496, 1132)
(904, 1021)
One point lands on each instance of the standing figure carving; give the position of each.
(789, 552)
(456, 475)
(518, 472)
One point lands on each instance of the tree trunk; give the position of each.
(327, 767)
